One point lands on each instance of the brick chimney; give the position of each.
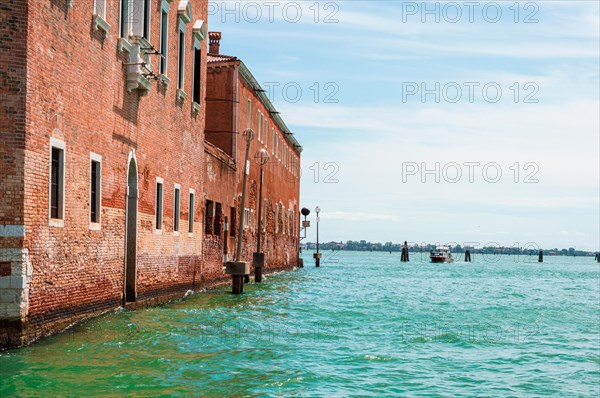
(214, 43)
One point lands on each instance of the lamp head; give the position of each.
(248, 134)
(262, 156)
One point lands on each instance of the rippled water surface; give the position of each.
(362, 324)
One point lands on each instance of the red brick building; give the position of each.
(102, 160)
(235, 102)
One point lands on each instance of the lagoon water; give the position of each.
(362, 324)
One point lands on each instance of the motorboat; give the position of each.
(441, 254)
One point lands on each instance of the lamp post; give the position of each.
(238, 269)
(317, 255)
(305, 224)
(258, 258)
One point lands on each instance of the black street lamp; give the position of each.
(258, 258)
(305, 224)
(317, 255)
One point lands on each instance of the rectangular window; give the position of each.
(197, 74)
(191, 213)
(232, 217)
(266, 131)
(249, 113)
(159, 204)
(272, 141)
(177, 208)
(259, 125)
(95, 188)
(209, 217)
(181, 60)
(146, 20)
(164, 41)
(100, 8)
(57, 180)
(125, 19)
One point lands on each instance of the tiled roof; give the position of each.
(219, 58)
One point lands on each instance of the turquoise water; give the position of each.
(362, 324)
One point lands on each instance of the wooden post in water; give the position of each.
(258, 259)
(467, 256)
(541, 257)
(404, 256)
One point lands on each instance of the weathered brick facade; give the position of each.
(232, 92)
(81, 92)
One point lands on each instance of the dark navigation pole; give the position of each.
(317, 255)
(258, 258)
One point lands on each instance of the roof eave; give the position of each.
(249, 77)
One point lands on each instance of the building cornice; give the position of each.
(260, 93)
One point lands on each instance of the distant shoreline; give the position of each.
(363, 246)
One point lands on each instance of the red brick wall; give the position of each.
(77, 93)
(219, 94)
(13, 72)
(280, 184)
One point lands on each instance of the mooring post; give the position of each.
(238, 271)
(258, 259)
(467, 256)
(541, 257)
(404, 256)
(317, 255)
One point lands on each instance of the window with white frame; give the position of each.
(57, 182)
(191, 211)
(159, 203)
(259, 125)
(249, 113)
(95, 188)
(266, 131)
(273, 141)
(146, 19)
(197, 75)
(181, 59)
(164, 38)
(277, 218)
(100, 8)
(176, 207)
(135, 18)
(125, 11)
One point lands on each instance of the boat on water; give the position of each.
(441, 254)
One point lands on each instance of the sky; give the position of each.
(448, 122)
